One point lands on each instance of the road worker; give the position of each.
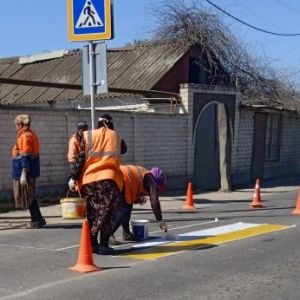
(76, 152)
(100, 181)
(138, 183)
(25, 169)
(106, 120)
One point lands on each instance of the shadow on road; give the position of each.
(249, 209)
(62, 226)
(208, 201)
(164, 249)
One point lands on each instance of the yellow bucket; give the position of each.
(73, 208)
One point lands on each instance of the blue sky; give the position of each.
(35, 26)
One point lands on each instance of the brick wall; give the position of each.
(289, 163)
(152, 140)
(287, 166)
(164, 140)
(242, 147)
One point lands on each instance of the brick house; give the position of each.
(169, 110)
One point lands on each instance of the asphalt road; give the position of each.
(34, 263)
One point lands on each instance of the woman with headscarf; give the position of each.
(106, 120)
(76, 152)
(101, 181)
(138, 183)
(25, 169)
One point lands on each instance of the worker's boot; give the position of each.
(103, 248)
(94, 241)
(129, 237)
(127, 234)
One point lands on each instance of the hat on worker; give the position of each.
(159, 176)
(23, 120)
(82, 125)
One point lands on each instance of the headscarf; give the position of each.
(23, 120)
(106, 120)
(159, 177)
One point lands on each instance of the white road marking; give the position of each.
(26, 247)
(163, 240)
(220, 229)
(65, 248)
(198, 233)
(186, 226)
(224, 234)
(38, 248)
(47, 285)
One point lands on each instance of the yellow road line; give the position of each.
(175, 247)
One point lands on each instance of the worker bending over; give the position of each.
(139, 183)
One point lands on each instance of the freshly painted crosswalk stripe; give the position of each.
(201, 239)
(198, 233)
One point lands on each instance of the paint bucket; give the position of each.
(73, 208)
(140, 228)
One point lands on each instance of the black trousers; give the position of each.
(35, 212)
(123, 214)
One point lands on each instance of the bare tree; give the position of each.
(193, 25)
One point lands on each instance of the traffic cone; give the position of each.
(189, 202)
(296, 211)
(85, 258)
(256, 200)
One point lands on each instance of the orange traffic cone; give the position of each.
(256, 200)
(189, 202)
(85, 258)
(297, 209)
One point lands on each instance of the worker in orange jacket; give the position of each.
(101, 181)
(76, 152)
(25, 169)
(138, 183)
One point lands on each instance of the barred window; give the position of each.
(273, 138)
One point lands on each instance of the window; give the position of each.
(273, 138)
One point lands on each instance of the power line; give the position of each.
(249, 25)
(258, 15)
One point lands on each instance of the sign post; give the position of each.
(92, 82)
(100, 76)
(90, 20)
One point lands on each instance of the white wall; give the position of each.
(152, 140)
(164, 140)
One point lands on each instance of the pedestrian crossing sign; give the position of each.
(89, 20)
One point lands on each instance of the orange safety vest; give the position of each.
(133, 181)
(25, 154)
(27, 143)
(102, 157)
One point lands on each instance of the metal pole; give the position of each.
(92, 82)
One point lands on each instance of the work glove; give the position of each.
(23, 179)
(72, 184)
(163, 226)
